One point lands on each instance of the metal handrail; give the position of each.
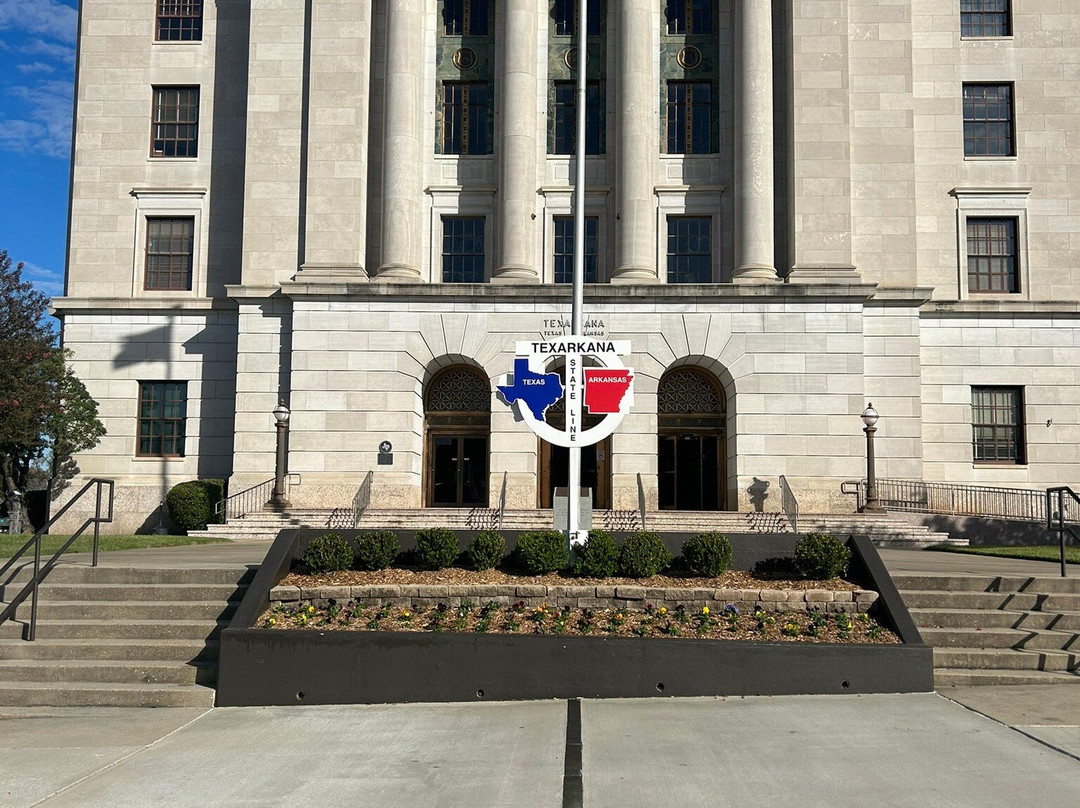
(789, 503)
(251, 499)
(502, 504)
(1057, 520)
(916, 496)
(641, 500)
(41, 571)
(362, 498)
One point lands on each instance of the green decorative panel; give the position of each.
(561, 49)
(464, 58)
(694, 57)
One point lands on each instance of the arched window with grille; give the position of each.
(691, 421)
(457, 426)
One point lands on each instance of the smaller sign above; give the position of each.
(386, 456)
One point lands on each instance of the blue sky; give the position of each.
(37, 79)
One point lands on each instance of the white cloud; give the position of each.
(46, 281)
(48, 18)
(50, 50)
(34, 67)
(44, 127)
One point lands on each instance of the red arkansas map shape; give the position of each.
(604, 390)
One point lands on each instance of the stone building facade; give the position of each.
(794, 208)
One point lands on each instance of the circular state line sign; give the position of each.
(607, 390)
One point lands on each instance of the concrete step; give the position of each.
(78, 574)
(133, 592)
(96, 694)
(53, 611)
(144, 672)
(1052, 640)
(1013, 601)
(124, 650)
(945, 678)
(985, 583)
(966, 618)
(1005, 659)
(113, 630)
(1062, 621)
(973, 637)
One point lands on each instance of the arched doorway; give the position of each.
(691, 420)
(457, 426)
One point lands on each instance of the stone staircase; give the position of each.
(117, 637)
(991, 630)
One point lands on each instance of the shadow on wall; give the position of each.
(978, 530)
(758, 491)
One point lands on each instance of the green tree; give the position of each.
(44, 408)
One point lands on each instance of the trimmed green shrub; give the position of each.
(376, 550)
(191, 504)
(486, 550)
(708, 554)
(542, 551)
(598, 557)
(643, 555)
(820, 556)
(436, 548)
(327, 553)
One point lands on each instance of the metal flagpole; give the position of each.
(576, 329)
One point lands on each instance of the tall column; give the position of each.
(638, 146)
(754, 182)
(402, 152)
(517, 147)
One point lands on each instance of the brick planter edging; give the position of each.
(419, 597)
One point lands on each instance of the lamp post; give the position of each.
(870, 417)
(281, 416)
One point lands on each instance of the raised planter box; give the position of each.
(275, 667)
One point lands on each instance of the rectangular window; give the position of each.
(689, 251)
(566, 15)
(689, 17)
(463, 249)
(988, 120)
(179, 20)
(465, 17)
(465, 118)
(565, 119)
(689, 117)
(997, 423)
(162, 413)
(169, 253)
(992, 255)
(564, 249)
(985, 18)
(175, 125)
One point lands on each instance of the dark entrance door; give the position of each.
(690, 472)
(691, 443)
(595, 472)
(459, 475)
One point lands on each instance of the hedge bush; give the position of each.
(598, 557)
(643, 555)
(436, 548)
(820, 556)
(327, 553)
(542, 551)
(486, 550)
(708, 554)
(376, 550)
(191, 504)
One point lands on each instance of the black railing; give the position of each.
(502, 504)
(252, 499)
(41, 571)
(361, 500)
(1058, 502)
(789, 504)
(916, 496)
(641, 501)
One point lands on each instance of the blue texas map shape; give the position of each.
(538, 390)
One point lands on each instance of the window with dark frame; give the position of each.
(465, 118)
(175, 123)
(997, 424)
(465, 17)
(564, 249)
(162, 416)
(179, 20)
(992, 263)
(689, 249)
(689, 17)
(463, 249)
(988, 120)
(689, 117)
(169, 253)
(565, 118)
(985, 18)
(566, 15)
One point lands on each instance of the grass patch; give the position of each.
(1035, 552)
(10, 544)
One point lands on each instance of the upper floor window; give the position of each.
(175, 123)
(985, 18)
(689, 249)
(992, 254)
(179, 20)
(564, 120)
(466, 118)
(465, 17)
(169, 252)
(162, 417)
(988, 120)
(997, 423)
(463, 249)
(564, 249)
(689, 17)
(689, 117)
(566, 16)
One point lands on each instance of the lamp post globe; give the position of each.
(870, 419)
(281, 415)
